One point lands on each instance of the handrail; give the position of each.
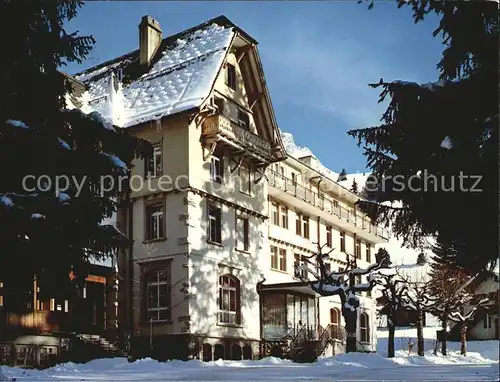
(324, 202)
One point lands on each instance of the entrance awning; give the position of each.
(297, 287)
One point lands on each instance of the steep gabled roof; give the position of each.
(179, 78)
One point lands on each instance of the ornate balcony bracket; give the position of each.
(237, 163)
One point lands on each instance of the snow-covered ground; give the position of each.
(480, 365)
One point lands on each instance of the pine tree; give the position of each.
(49, 230)
(342, 176)
(384, 257)
(435, 134)
(421, 259)
(354, 186)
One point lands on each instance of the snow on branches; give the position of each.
(346, 284)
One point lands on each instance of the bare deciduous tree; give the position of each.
(341, 283)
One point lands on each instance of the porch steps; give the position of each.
(86, 347)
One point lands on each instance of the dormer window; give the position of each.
(231, 76)
(243, 119)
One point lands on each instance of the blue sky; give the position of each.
(318, 58)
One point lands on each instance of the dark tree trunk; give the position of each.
(390, 344)
(350, 318)
(420, 332)
(463, 338)
(445, 335)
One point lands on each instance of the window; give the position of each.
(214, 224)
(487, 321)
(229, 300)
(245, 184)
(158, 289)
(368, 253)
(284, 216)
(282, 260)
(278, 258)
(364, 326)
(340, 271)
(281, 171)
(154, 222)
(231, 76)
(294, 179)
(243, 119)
(305, 226)
(220, 105)
(242, 233)
(154, 163)
(302, 226)
(335, 323)
(298, 261)
(328, 268)
(329, 236)
(279, 215)
(357, 249)
(274, 257)
(216, 169)
(275, 216)
(342, 242)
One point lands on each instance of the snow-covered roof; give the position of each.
(180, 78)
(360, 179)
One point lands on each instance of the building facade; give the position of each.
(219, 213)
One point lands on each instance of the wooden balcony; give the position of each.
(218, 128)
(325, 204)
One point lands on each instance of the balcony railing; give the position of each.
(219, 124)
(324, 203)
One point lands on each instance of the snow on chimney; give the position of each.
(149, 39)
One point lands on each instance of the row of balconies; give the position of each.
(324, 203)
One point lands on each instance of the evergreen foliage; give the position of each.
(354, 186)
(342, 176)
(437, 133)
(45, 232)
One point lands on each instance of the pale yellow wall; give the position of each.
(239, 96)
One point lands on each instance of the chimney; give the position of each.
(149, 39)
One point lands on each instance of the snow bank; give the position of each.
(352, 366)
(478, 352)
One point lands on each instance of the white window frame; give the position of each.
(275, 214)
(156, 162)
(155, 221)
(283, 216)
(233, 316)
(155, 285)
(216, 169)
(364, 329)
(282, 259)
(215, 231)
(274, 257)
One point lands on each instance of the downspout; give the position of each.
(319, 246)
(259, 287)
